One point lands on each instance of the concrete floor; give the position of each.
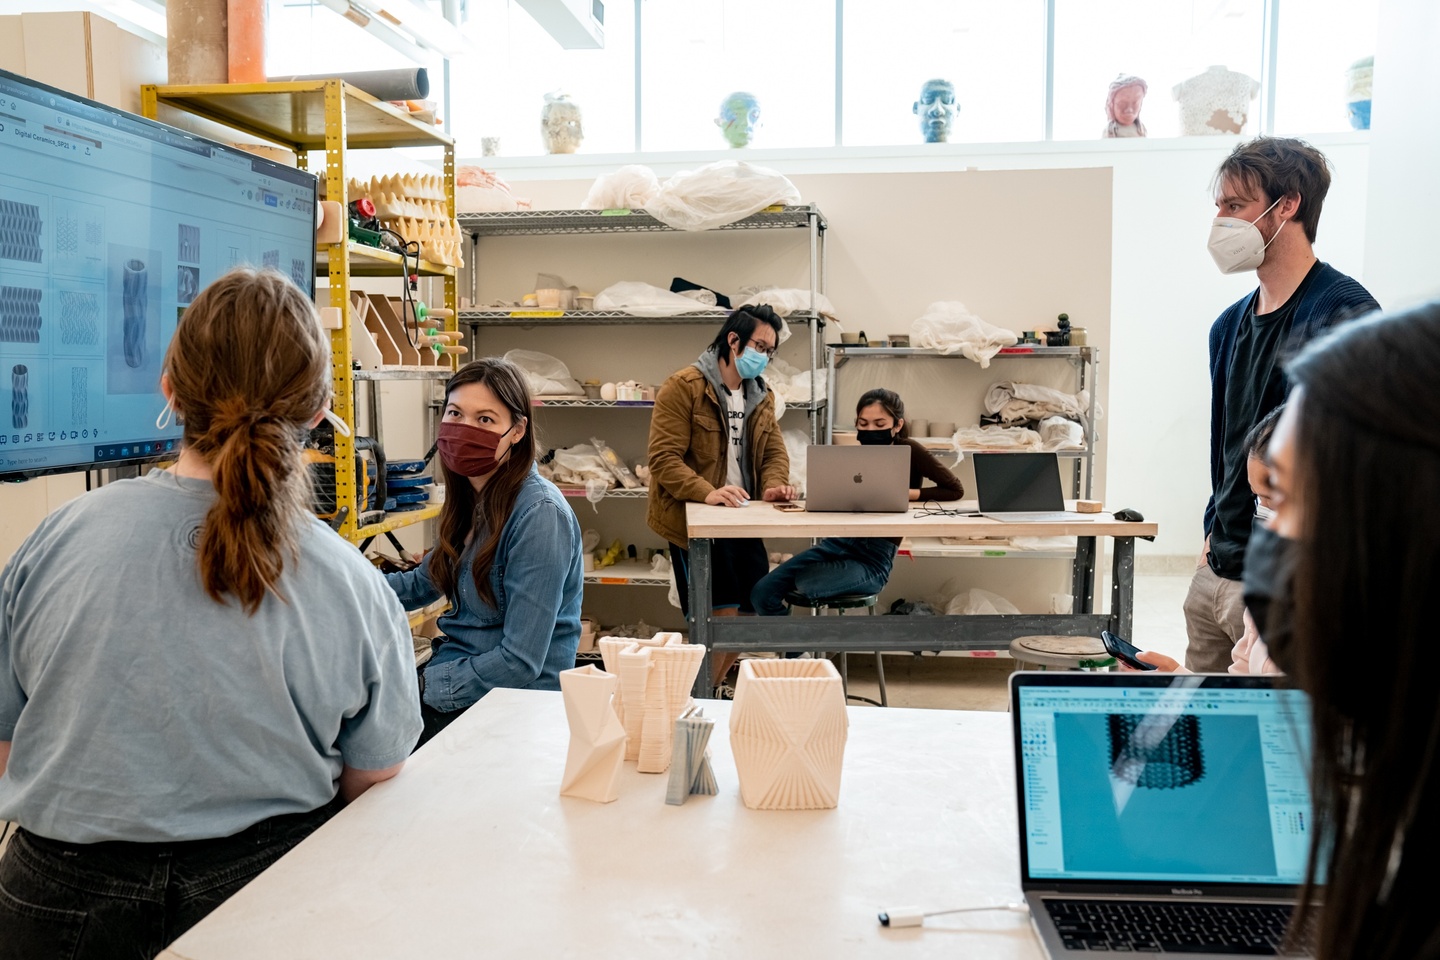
(975, 683)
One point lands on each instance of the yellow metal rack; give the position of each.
(333, 116)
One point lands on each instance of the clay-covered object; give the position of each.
(1215, 102)
(787, 732)
(655, 680)
(597, 740)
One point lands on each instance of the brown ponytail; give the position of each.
(248, 370)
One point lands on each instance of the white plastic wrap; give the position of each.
(791, 384)
(547, 376)
(982, 602)
(786, 300)
(1059, 433)
(644, 300)
(718, 194)
(996, 438)
(579, 465)
(797, 446)
(631, 187)
(615, 465)
(1028, 401)
(949, 327)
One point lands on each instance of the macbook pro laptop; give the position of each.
(1163, 813)
(1022, 488)
(853, 479)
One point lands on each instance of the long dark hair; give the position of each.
(890, 401)
(462, 517)
(249, 367)
(1367, 468)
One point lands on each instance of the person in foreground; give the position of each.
(195, 672)
(1354, 477)
(849, 565)
(509, 556)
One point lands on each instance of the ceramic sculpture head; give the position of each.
(936, 110)
(560, 125)
(739, 115)
(1122, 107)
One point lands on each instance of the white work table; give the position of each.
(708, 523)
(471, 852)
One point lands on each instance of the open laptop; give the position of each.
(1160, 813)
(853, 479)
(1022, 488)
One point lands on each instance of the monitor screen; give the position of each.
(1188, 779)
(109, 225)
(1018, 482)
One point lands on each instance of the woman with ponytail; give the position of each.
(195, 672)
(508, 558)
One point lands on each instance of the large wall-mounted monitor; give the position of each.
(110, 224)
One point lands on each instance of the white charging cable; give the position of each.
(915, 916)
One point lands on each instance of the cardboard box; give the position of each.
(82, 53)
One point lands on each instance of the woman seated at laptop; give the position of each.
(1355, 463)
(837, 566)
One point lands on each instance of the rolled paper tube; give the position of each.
(406, 83)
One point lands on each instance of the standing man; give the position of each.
(1268, 194)
(714, 439)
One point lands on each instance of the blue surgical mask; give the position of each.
(751, 363)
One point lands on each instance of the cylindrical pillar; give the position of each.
(196, 47)
(246, 40)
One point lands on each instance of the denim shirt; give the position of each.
(532, 631)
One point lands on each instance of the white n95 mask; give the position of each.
(1237, 245)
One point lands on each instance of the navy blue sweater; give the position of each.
(1327, 298)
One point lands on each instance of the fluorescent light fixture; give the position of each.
(575, 24)
(412, 21)
(380, 30)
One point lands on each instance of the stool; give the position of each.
(1066, 653)
(848, 601)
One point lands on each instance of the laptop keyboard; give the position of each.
(1168, 927)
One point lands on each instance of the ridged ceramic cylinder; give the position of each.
(135, 291)
(19, 396)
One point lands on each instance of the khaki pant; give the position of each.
(1214, 621)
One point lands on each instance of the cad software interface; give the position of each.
(1167, 784)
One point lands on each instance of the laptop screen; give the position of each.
(1162, 779)
(1018, 482)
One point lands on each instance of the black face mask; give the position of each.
(1269, 582)
(875, 438)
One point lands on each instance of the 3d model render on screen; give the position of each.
(134, 299)
(19, 396)
(1155, 751)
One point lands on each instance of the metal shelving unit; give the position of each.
(552, 318)
(1085, 360)
(335, 117)
(519, 223)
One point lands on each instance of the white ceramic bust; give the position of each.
(560, 124)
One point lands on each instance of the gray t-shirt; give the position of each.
(142, 710)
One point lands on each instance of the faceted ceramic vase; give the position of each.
(597, 741)
(787, 732)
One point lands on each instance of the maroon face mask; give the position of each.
(467, 450)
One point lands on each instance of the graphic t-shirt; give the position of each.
(735, 409)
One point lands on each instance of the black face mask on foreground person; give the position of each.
(1269, 584)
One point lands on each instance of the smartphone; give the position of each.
(1126, 653)
(790, 506)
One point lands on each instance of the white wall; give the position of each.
(1165, 291)
(1401, 248)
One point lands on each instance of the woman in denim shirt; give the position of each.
(508, 556)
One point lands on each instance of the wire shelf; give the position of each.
(855, 351)
(533, 222)
(619, 493)
(544, 318)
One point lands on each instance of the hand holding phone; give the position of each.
(1126, 653)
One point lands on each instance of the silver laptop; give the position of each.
(855, 479)
(1152, 805)
(1022, 488)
